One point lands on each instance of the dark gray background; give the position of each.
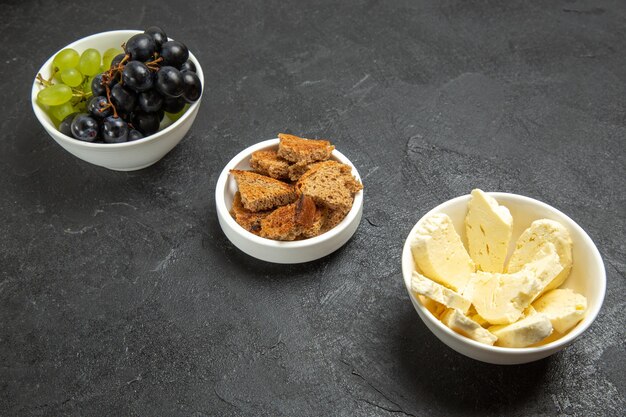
(120, 295)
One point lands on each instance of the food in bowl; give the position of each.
(295, 192)
(483, 293)
(120, 96)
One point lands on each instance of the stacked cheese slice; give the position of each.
(478, 294)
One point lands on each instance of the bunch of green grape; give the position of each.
(69, 87)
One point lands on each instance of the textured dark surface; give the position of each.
(120, 295)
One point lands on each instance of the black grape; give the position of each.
(169, 82)
(150, 101)
(114, 130)
(123, 99)
(66, 125)
(84, 127)
(97, 88)
(173, 105)
(99, 107)
(146, 123)
(137, 76)
(174, 53)
(117, 59)
(193, 86)
(157, 34)
(134, 134)
(140, 47)
(188, 66)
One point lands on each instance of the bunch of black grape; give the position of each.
(151, 77)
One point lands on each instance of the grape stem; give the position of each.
(48, 82)
(109, 75)
(108, 90)
(154, 65)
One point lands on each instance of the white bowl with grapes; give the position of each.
(121, 99)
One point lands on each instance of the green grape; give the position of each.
(57, 77)
(81, 106)
(108, 56)
(175, 116)
(86, 87)
(89, 63)
(61, 111)
(55, 95)
(67, 58)
(71, 77)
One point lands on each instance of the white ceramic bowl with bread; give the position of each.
(283, 252)
(127, 156)
(587, 277)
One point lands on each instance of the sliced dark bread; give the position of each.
(295, 149)
(249, 220)
(290, 221)
(332, 218)
(259, 192)
(295, 171)
(316, 225)
(270, 164)
(329, 184)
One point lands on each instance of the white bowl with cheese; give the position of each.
(587, 277)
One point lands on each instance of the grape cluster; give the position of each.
(127, 98)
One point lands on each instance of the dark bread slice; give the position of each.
(295, 171)
(249, 220)
(288, 222)
(332, 218)
(330, 184)
(316, 225)
(259, 192)
(270, 164)
(295, 149)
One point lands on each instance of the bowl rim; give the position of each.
(48, 125)
(224, 212)
(555, 345)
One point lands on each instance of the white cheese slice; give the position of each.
(553, 337)
(465, 326)
(437, 309)
(563, 307)
(437, 292)
(528, 331)
(546, 266)
(531, 241)
(473, 314)
(439, 253)
(480, 320)
(488, 226)
(502, 298)
(530, 310)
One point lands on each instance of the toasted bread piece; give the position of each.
(270, 164)
(305, 211)
(330, 184)
(280, 224)
(295, 171)
(249, 220)
(332, 218)
(259, 192)
(288, 222)
(295, 149)
(315, 228)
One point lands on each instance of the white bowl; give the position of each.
(587, 277)
(127, 156)
(272, 250)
